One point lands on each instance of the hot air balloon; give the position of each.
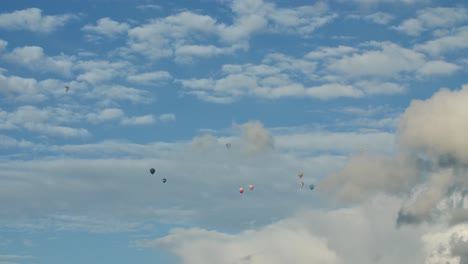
(228, 145)
(66, 88)
(164, 180)
(300, 175)
(241, 190)
(251, 187)
(152, 171)
(301, 184)
(311, 186)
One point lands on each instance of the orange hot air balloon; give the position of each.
(241, 190)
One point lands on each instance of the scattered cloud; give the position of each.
(107, 27)
(431, 18)
(34, 58)
(31, 19)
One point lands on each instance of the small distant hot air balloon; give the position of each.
(311, 186)
(66, 88)
(164, 180)
(228, 145)
(301, 184)
(300, 175)
(152, 170)
(251, 187)
(241, 190)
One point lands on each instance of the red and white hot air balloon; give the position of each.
(241, 190)
(251, 187)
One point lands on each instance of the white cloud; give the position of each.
(373, 87)
(33, 58)
(98, 71)
(3, 44)
(452, 42)
(380, 18)
(150, 77)
(167, 117)
(313, 235)
(448, 110)
(101, 171)
(389, 60)
(325, 52)
(438, 67)
(138, 120)
(107, 27)
(430, 18)
(45, 121)
(105, 115)
(183, 35)
(112, 94)
(32, 19)
(376, 142)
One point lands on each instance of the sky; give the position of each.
(367, 98)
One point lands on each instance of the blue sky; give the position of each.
(368, 98)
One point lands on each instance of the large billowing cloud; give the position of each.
(363, 234)
(427, 176)
(429, 168)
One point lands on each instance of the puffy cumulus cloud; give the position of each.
(430, 18)
(34, 58)
(385, 60)
(367, 175)
(105, 115)
(428, 170)
(438, 68)
(257, 137)
(447, 246)
(301, 20)
(453, 41)
(107, 27)
(184, 35)
(115, 94)
(34, 119)
(388, 60)
(18, 89)
(311, 235)
(373, 3)
(380, 18)
(196, 246)
(32, 19)
(277, 76)
(99, 71)
(149, 78)
(437, 125)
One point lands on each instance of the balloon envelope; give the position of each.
(241, 190)
(301, 184)
(300, 175)
(251, 187)
(152, 171)
(164, 180)
(228, 145)
(312, 186)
